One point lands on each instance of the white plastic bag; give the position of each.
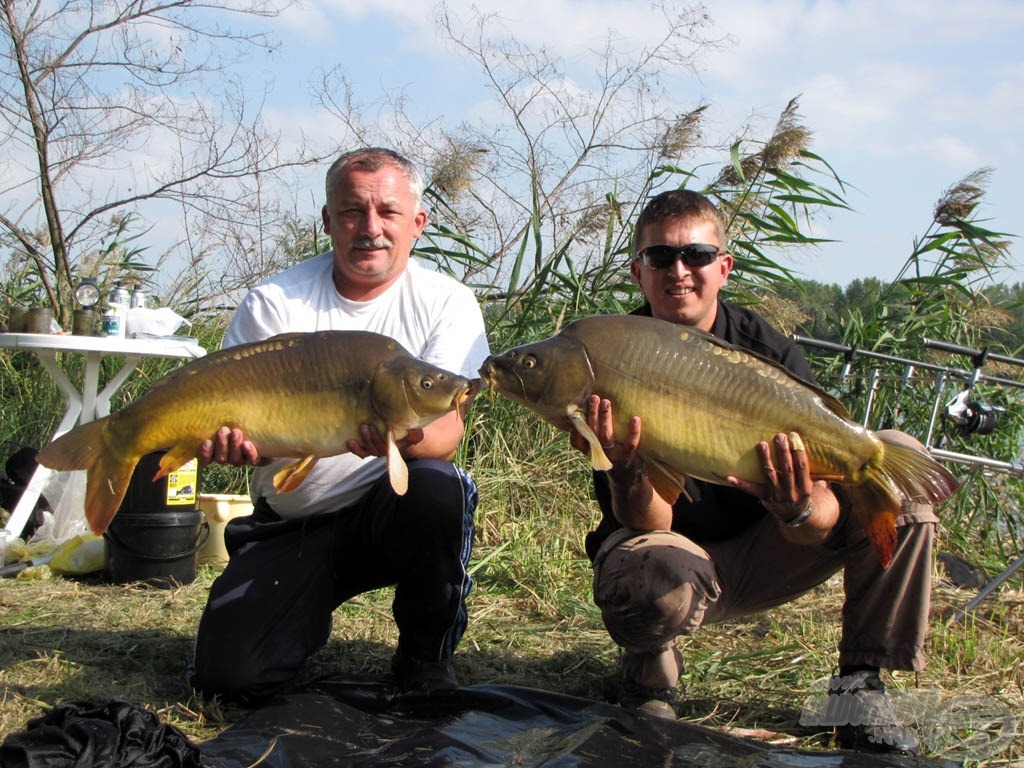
(143, 321)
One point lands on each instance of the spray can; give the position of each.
(119, 296)
(138, 297)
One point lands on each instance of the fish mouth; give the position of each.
(486, 375)
(487, 379)
(465, 395)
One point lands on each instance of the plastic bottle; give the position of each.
(117, 311)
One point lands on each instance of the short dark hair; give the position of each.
(371, 159)
(679, 204)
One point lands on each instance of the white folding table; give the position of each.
(90, 402)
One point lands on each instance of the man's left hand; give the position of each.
(786, 470)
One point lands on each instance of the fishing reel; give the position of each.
(972, 418)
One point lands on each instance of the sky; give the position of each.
(904, 97)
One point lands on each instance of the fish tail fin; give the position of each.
(76, 449)
(903, 471)
(915, 472)
(88, 447)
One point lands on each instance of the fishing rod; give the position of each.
(979, 356)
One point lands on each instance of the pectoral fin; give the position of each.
(291, 477)
(598, 458)
(398, 471)
(666, 482)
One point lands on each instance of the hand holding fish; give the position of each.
(790, 493)
(601, 422)
(634, 502)
(372, 443)
(229, 446)
(267, 394)
(705, 405)
(785, 467)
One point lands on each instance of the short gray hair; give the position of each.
(372, 159)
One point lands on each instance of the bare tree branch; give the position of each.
(94, 91)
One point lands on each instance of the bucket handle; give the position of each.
(205, 526)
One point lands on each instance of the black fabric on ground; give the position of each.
(103, 734)
(364, 724)
(360, 724)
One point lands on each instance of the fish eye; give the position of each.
(426, 382)
(529, 361)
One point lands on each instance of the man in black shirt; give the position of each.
(723, 551)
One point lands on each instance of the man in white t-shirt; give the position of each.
(344, 531)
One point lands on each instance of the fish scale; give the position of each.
(749, 408)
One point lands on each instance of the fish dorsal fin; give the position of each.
(398, 470)
(830, 401)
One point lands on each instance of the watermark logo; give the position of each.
(960, 728)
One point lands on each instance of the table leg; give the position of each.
(102, 400)
(74, 397)
(90, 383)
(23, 509)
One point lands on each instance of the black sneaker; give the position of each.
(423, 676)
(865, 718)
(654, 702)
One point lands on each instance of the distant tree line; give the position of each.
(825, 309)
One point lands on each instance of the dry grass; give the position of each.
(67, 639)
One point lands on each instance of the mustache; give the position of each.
(371, 242)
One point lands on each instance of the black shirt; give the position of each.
(714, 512)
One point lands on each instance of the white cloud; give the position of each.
(307, 19)
(952, 152)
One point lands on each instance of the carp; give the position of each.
(704, 406)
(300, 395)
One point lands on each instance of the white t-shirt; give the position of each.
(433, 316)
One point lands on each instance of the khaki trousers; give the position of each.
(653, 586)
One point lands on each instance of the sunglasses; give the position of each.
(694, 255)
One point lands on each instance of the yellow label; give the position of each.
(182, 484)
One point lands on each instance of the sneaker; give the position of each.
(864, 717)
(423, 676)
(653, 702)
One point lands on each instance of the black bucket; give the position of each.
(175, 492)
(159, 550)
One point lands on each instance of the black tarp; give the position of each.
(362, 723)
